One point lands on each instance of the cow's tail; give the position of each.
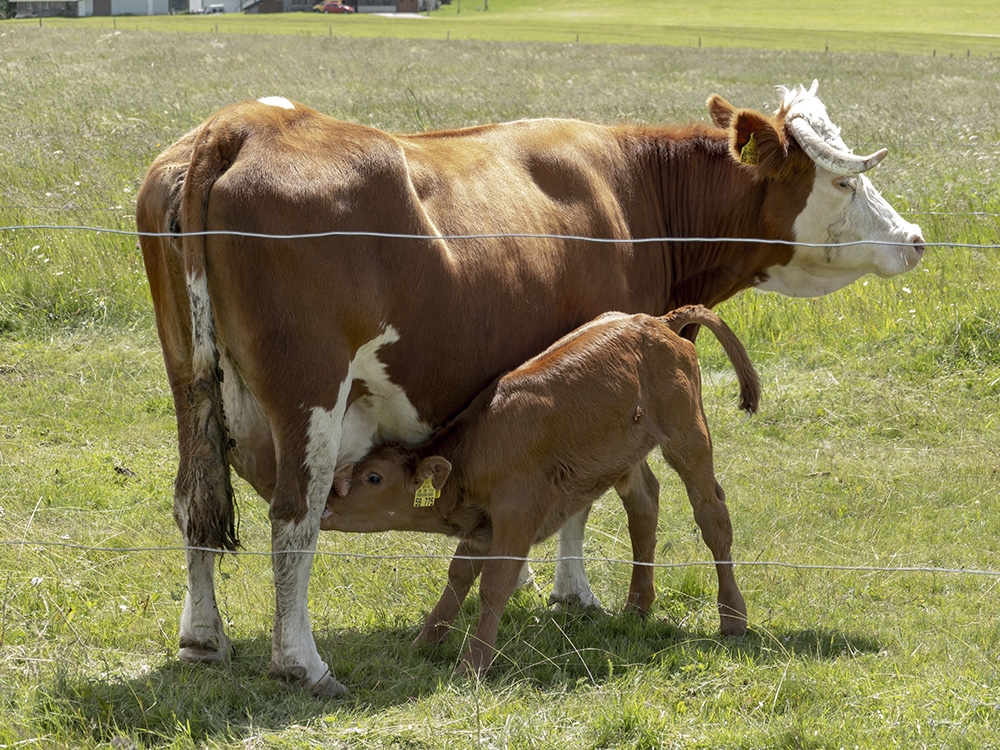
(205, 504)
(745, 372)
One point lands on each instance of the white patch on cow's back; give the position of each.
(385, 413)
(276, 101)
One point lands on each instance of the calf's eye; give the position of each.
(374, 478)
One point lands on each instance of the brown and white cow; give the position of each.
(321, 286)
(539, 445)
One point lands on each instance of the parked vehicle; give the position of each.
(333, 6)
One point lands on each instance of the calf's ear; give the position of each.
(755, 142)
(437, 468)
(342, 479)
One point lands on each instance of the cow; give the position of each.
(321, 286)
(539, 445)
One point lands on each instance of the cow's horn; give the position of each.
(828, 157)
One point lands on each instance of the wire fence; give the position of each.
(486, 236)
(915, 569)
(533, 560)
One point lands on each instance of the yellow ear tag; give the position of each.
(748, 154)
(426, 495)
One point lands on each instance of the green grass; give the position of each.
(963, 28)
(876, 443)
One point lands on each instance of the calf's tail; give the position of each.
(205, 503)
(745, 372)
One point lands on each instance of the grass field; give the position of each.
(876, 446)
(965, 28)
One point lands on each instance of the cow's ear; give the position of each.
(720, 111)
(755, 142)
(342, 479)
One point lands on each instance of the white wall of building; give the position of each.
(229, 6)
(139, 7)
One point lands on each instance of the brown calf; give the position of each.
(541, 444)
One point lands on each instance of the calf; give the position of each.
(543, 442)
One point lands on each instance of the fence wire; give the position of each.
(486, 236)
(533, 560)
(41, 544)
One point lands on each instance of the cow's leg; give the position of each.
(294, 531)
(640, 494)
(204, 509)
(571, 587)
(694, 464)
(462, 573)
(496, 585)
(202, 637)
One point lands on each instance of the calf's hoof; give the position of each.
(733, 621)
(474, 664)
(431, 635)
(637, 605)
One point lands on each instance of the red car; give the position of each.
(333, 6)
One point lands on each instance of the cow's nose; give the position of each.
(918, 244)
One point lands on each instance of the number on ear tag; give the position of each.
(426, 495)
(748, 154)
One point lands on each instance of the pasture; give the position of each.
(863, 496)
(964, 28)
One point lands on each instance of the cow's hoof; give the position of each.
(326, 687)
(526, 580)
(574, 601)
(206, 653)
(329, 687)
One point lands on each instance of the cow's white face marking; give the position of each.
(840, 210)
(385, 413)
(276, 101)
(844, 210)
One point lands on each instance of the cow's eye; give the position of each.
(374, 478)
(847, 184)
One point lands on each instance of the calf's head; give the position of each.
(391, 489)
(845, 229)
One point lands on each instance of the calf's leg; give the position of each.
(462, 573)
(708, 501)
(640, 494)
(498, 582)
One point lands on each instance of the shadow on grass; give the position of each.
(544, 649)
(556, 649)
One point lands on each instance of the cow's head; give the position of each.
(391, 489)
(845, 229)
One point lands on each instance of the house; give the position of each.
(80, 8)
